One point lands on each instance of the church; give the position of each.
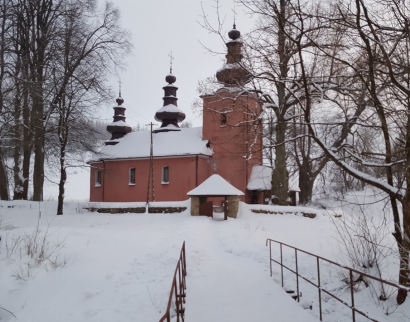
(164, 164)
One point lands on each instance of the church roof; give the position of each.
(261, 178)
(215, 185)
(188, 141)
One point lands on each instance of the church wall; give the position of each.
(96, 192)
(117, 179)
(183, 177)
(231, 127)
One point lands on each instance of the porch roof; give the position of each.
(215, 186)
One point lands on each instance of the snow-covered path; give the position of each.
(120, 267)
(222, 286)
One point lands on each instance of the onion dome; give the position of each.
(118, 128)
(169, 114)
(234, 33)
(232, 73)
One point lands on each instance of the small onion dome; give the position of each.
(234, 33)
(170, 78)
(119, 100)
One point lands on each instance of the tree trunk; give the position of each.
(4, 182)
(38, 171)
(18, 180)
(61, 189)
(305, 183)
(404, 252)
(280, 184)
(27, 143)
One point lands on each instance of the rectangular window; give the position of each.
(165, 174)
(98, 178)
(131, 176)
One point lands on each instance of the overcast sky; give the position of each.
(157, 27)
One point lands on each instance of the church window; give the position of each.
(165, 174)
(98, 178)
(223, 119)
(131, 180)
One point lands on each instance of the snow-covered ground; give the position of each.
(120, 267)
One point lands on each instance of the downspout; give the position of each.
(103, 186)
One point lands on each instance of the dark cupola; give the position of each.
(169, 114)
(118, 128)
(232, 73)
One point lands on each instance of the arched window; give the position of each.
(224, 119)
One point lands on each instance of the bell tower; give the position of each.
(169, 114)
(231, 119)
(118, 128)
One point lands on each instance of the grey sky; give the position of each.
(157, 27)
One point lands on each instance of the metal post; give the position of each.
(270, 257)
(318, 287)
(352, 294)
(297, 274)
(281, 262)
(151, 168)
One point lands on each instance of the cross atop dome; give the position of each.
(171, 58)
(119, 100)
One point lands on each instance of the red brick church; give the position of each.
(164, 164)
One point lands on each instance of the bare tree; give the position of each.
(87, 51)
(53, 54)
(382, 42)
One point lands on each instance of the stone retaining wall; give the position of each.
(138, 210)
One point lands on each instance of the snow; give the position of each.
(294, 188)
(118, 123)
(170, 108)
(364, 176)
(215, 185)
(260, 179)
(119, 267)
(234, 40)
(188, 141)
(230, 66)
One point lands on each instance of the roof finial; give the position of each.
(234, 17)
(119, 87)
(119, 100)
(171, 58)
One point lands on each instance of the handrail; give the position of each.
(177, 294)
(318, 285)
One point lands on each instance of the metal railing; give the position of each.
(318, 285)
(177, 294)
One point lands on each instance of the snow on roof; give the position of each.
(229, 66)
(294, 188)
(170, 108)
(215, 185)
(260, 179)
(188, 141)
(118, 123)
(169, 127)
